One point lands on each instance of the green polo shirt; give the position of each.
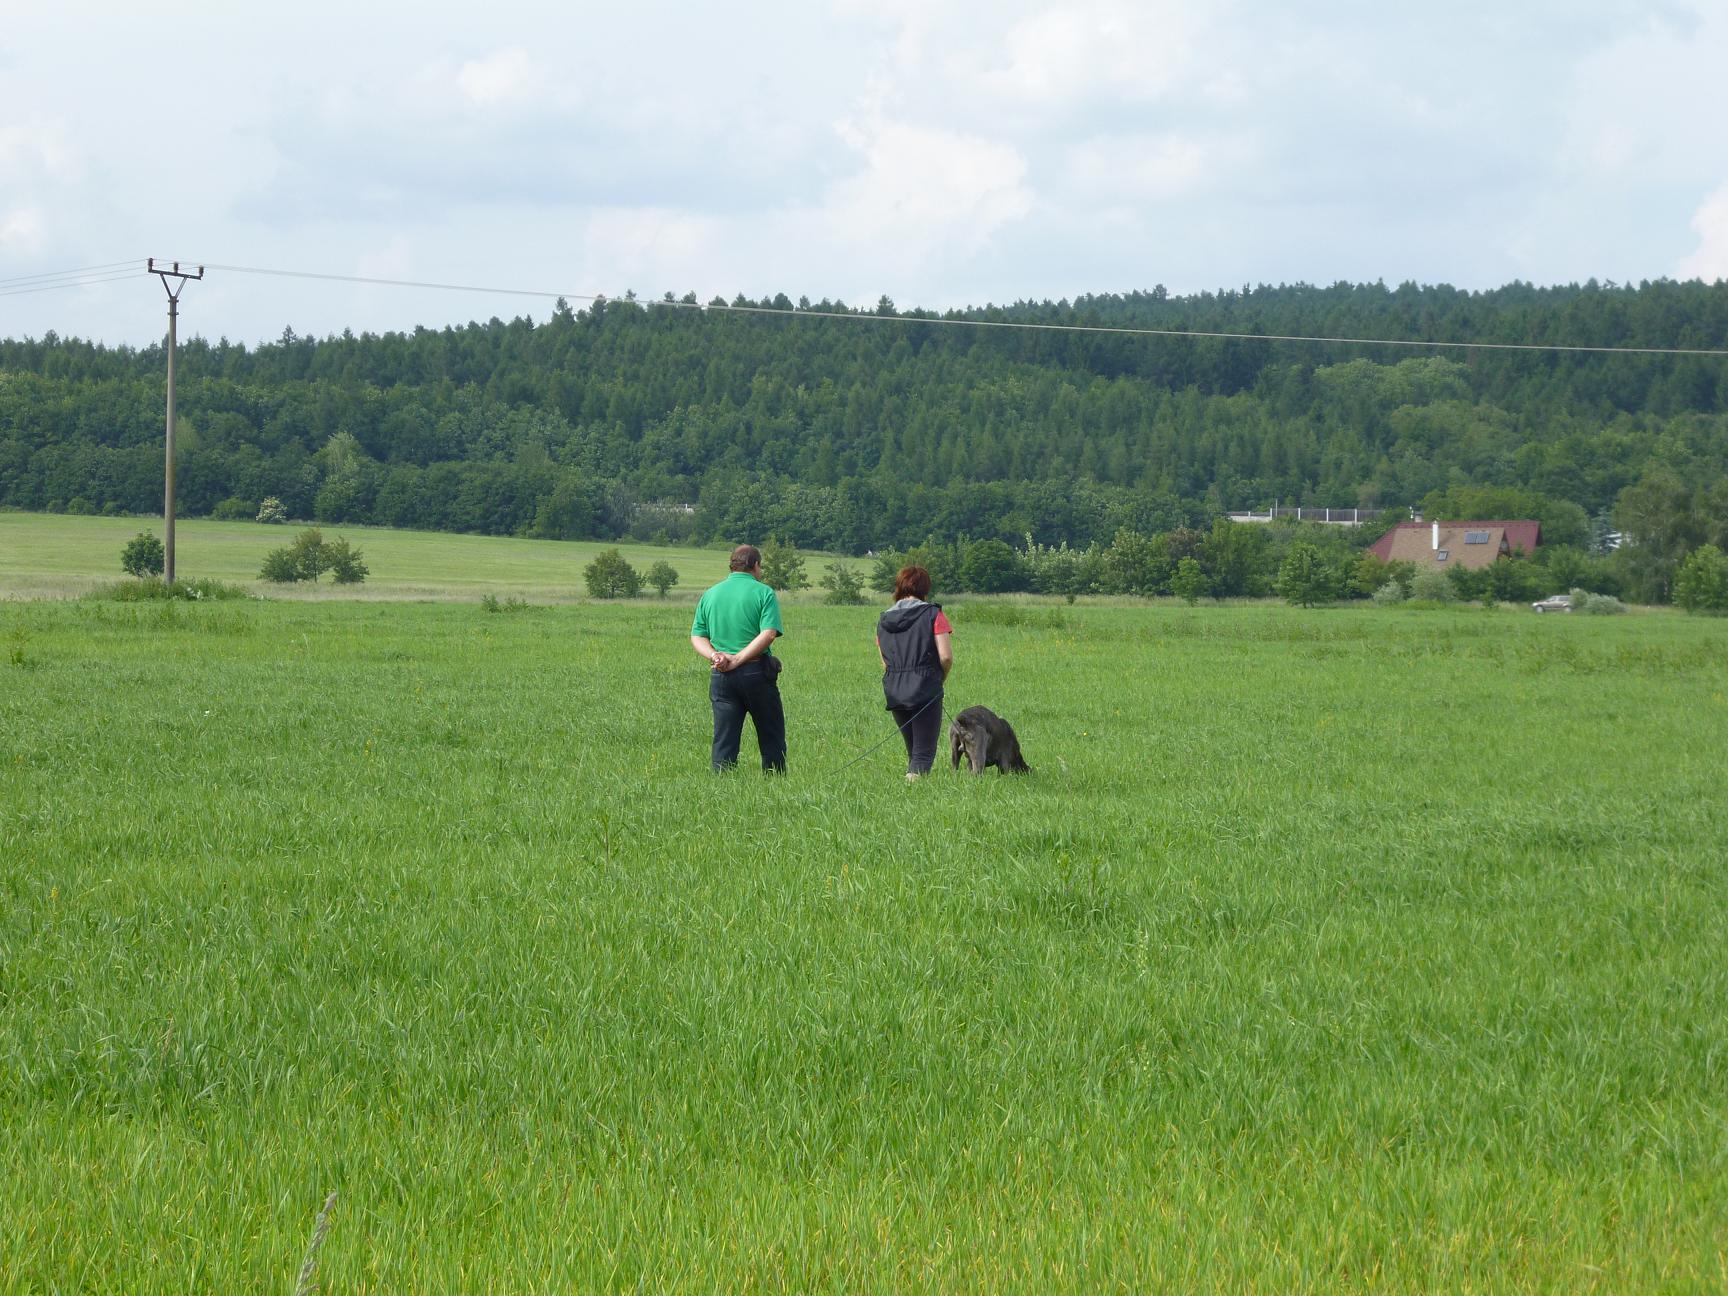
(735, 611)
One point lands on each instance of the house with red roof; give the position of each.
(1457, 544)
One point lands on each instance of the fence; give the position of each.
(1336, 516)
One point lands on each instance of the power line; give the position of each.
(69, 283)
(62, 274)
(963, 322)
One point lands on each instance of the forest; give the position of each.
(868, 429)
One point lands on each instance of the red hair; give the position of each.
(912, 582)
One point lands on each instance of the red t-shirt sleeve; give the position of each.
(942, 626)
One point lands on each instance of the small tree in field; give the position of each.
(1306, 578)
(782, 568)
(345, 563)
(610, 575)
(142, 556)
(843, 583)
(310, 556)
(1431, 585)
(662, 576)
(271, 510)
(1189, 583)
(1702, 582)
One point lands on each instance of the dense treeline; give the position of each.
(882, 430)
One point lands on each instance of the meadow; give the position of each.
(51, 555)
(1324, 951)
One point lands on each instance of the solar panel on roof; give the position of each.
(1477, 537)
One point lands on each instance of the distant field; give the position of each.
(1337, 951)
(50, 555)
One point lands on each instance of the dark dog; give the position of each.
(987, 739)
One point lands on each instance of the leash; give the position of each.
(899, 730)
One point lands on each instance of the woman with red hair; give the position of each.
(912, 639)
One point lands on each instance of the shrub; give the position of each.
(143, 556)
(1701, 585)
(782, 568)
(662, 576)
(310, 556)
(1057, 569)
(610, 575)
(1306, 577)
(843, 583)
(1431, 585)
(990, 567)
(1135, 564)
(345, 562)
(510, 603)
(150, 588)
(1190, 583)
(271, 510)
(279, 567)
(234, 509)
(1596, 604)
(1389, 594)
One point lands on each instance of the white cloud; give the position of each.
(36, 148)
(646, 248)
(1099, 49)
(1155, 166)
(923, 189)
(22, 230)
(1710, 261)
(509, 76)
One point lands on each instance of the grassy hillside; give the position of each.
(1324, 952)
(53, 555)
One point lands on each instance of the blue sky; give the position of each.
(941, 153)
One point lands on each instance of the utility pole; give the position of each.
(168, 486)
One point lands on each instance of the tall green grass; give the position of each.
(1324, 951)
(45, 555)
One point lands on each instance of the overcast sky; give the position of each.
(943, 152)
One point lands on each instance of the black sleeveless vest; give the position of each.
(907, 637)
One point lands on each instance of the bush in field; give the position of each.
(310, 556)
(143, 556)
(344, 562)
(610, 575)
(990, 567)
(1596, 604)
(1057, 569)
(1516, 580)
(782, 568)
(1135, 564)
(1389, 594)
(1306, 577)
(150, 588)
(843, 583)
(942, 561)
(1189, 583)
(662, 576)
(271, 510)
(234, 509)
(1701, 585)
(1431, 585)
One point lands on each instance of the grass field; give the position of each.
(1347, 950)
(49, 555)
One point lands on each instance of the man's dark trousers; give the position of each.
(747, 690)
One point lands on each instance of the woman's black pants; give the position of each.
(920, 729)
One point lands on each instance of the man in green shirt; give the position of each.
(736, 622)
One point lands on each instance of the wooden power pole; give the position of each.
(168, 481)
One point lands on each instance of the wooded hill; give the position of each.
(885, 429)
